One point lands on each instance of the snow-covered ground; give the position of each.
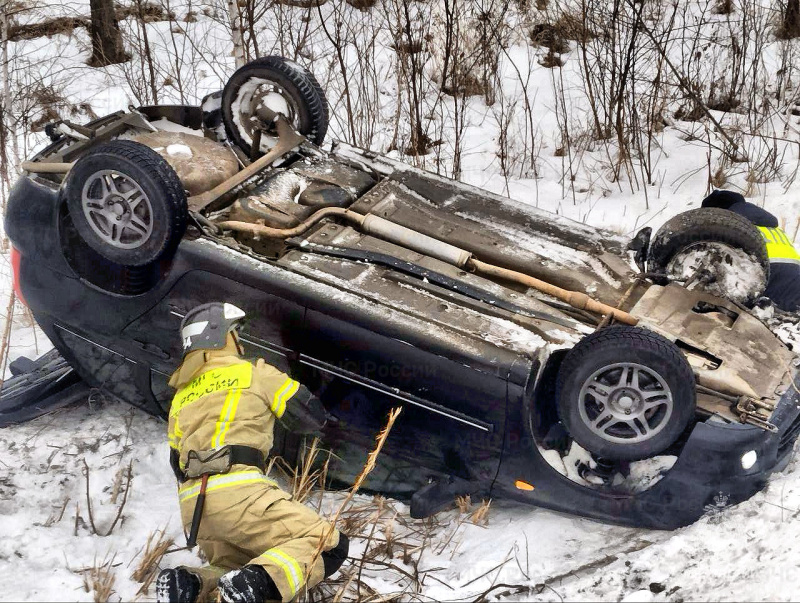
(49, 546)
(747, 553)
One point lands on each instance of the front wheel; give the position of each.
(625, 393)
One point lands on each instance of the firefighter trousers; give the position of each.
(248, 519)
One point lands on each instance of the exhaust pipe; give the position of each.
(421, 243)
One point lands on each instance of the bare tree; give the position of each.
(107, 47)
(791, 20)
(237, 31)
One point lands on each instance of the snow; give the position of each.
(179, 150)
(744, 553)
(737, 275)
(170, 126)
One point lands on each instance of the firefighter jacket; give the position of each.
(223, 399)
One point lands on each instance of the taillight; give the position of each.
(16, 257)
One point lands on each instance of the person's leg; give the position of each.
(222, 536)
(291, 538)
(178, 585)
(209, 577)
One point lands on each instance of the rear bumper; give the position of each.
(707, 476)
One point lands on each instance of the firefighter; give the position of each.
(260, 544)
(784, 260)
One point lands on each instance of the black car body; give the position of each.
(368, 325)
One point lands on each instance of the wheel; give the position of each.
(625, 393)
(126, 202)
(267, 86)
(714, 249)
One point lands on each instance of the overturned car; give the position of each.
(508, 334)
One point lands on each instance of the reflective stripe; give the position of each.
(785, 261)
(779, 247)
(226, 480)
(226, 416)
(290, 567)
(229, 377)
(286, 391)
(173, 438)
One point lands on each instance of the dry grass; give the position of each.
(719, 178)
(6, 338)
(99, 579)
(464, 503)
(305, 478)
(368, 467)
(480, 517)
(157, 545)
(48, 27)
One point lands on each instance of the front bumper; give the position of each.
(707, 476)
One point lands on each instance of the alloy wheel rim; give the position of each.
(117, 209)
(626, 403)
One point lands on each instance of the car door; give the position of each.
(272, 329)
(453, 413)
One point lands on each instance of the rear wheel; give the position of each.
(715, 250)
(126, 202)
(269, 86)
(625, 393)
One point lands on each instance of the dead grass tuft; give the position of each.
(549, 36)
(99, 579)
(157, 545)
(464, 503)
(719, 178)
(369, 465)
(480, 517)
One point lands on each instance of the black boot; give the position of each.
(334, 558)
(251, 584)
(177, 586)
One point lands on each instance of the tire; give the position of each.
(711, 227)
(141, 218)
(592, 382)
(295, 84)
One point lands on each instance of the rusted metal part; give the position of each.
(430, 246)
(607, 318)
(103, 133)
(581, 301)
(738, 342)
(260, 230)
(288, 140)
(44, 167)
(752, 412)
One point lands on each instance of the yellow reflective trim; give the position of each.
(284, 393)
(225, 480)
(221, 421)
(229, 377)
(231, 416)
(779, 246)
(226, 416)
(290, 567)
(276, 398)
(287, 395)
